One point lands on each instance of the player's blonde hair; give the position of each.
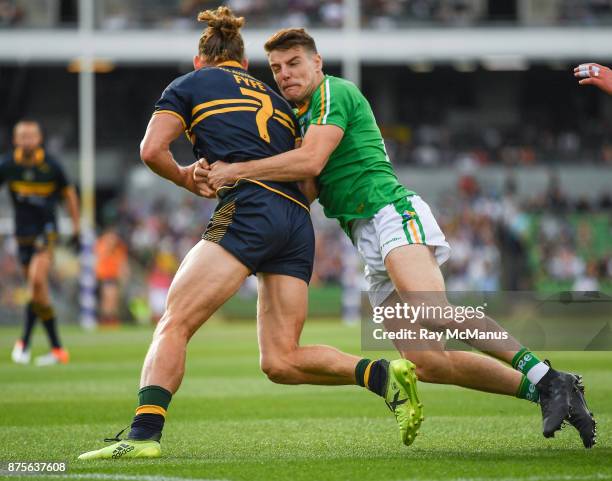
(221, 41)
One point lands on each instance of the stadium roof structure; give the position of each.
(361, 45)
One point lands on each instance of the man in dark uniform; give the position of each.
(261, 228)
(36, 183)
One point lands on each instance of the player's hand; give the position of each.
(221, 173)
(188, 181)
(595, 74)
(200, 177)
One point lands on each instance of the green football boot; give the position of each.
(401, 397)
(126, 448)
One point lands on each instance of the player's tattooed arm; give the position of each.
(595, 74)
(162, 130)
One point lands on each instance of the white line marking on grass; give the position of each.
(590, 477)
(145, 477)
(127, 477)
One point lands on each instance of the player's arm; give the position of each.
(71, 201)
(308, 187)
(162, 130)
(595, 74)
(302, 163)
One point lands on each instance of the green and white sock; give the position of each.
(528, 390)
(528, 363)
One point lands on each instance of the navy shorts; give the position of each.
(265, 231)
(30, 245)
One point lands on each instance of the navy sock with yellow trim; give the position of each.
(153, 402)
(372, 375)
(47, 316)
(30, 322)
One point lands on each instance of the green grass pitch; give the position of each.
(228, 422)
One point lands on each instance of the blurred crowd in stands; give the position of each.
(549, 242)
(385, 14)
(524, 144)
(380, 14)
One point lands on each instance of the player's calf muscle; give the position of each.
(431, 366)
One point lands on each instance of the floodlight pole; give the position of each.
(351, 64)
(351, 70)
(87, 164)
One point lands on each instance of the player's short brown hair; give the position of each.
(290, 37)
(221, 41)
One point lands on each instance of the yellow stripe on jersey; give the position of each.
(322, 103)
(261, 184)
(212, 103)
(230, 63)
(278, 192)
(282, 114)
(172, 112)
(221, 111)
(285, 123)
(32, 188)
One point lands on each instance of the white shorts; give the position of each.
(407, 221)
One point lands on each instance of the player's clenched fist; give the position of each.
(594, 74)
(200, 177)
(222, 173)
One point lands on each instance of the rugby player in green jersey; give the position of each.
(393, 229)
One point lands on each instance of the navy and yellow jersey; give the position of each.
(231, 116)
(35, 190)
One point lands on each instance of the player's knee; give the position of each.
(172, 325)
(434, 324)
(38, 286)
(433, 366)
(277, 370)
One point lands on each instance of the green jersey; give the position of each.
(358, 179)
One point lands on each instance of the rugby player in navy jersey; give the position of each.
(37, 183)
(261, 228)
